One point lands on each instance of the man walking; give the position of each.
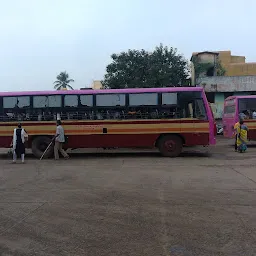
(59, 140)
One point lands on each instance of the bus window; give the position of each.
(143, 99)
(200, 111)
(9, 102)
(230, 110)
(188, 103)
(43, 107)
(70, 111)
(86, 100)
(190, 110)
(169, 98)
(23, 102)
(54, 101)
(18, 102)
(16, 108)
(110, 106)
(85, 111)
(110, 100)
(71, 101)
(40, 101)
(247, 106)
(143, 106)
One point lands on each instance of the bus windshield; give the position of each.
(229, 108)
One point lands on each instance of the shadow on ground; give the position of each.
(113, 154)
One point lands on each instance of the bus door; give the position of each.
(194, 119)
(201, 122)
(229, 118)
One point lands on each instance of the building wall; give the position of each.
(237, 59)
(241, 69)
(224, 58)
(234, 65)
(228, 83)
(224, 86)
(206, 58)
(218, 105)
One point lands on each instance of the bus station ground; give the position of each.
(124, 202)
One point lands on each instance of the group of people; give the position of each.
(20, 136)
(240, 132)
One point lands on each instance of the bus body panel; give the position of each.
(120, 133)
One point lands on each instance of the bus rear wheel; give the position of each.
(39, 145)
(170, 145)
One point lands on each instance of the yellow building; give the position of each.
(97, 85)
(233, 65)
(222, 74)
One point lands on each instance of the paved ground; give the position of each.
(130, 204)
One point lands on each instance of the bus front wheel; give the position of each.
(39, 145)
(170, 145)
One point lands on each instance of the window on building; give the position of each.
(143, 99)
(228, 94)
(210, 71)
(210, 96)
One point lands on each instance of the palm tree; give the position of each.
(62, 82)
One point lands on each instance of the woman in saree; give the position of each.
(241, 141)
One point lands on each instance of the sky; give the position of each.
(41, 38)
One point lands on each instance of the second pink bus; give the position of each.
(235, 105)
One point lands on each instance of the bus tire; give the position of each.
(39, 145)
(170, 145)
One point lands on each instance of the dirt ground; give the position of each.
(118, 203)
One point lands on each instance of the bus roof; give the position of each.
(91, 91)
(241, 97)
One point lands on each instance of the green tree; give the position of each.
(63, 81)
(139, 68)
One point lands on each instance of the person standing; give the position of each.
(254, 114)
(235, 133)
(242, 131)
(59, 140)
(18, 143)
(242, 116)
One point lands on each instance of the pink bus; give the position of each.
(165, 118)
(235, 105)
